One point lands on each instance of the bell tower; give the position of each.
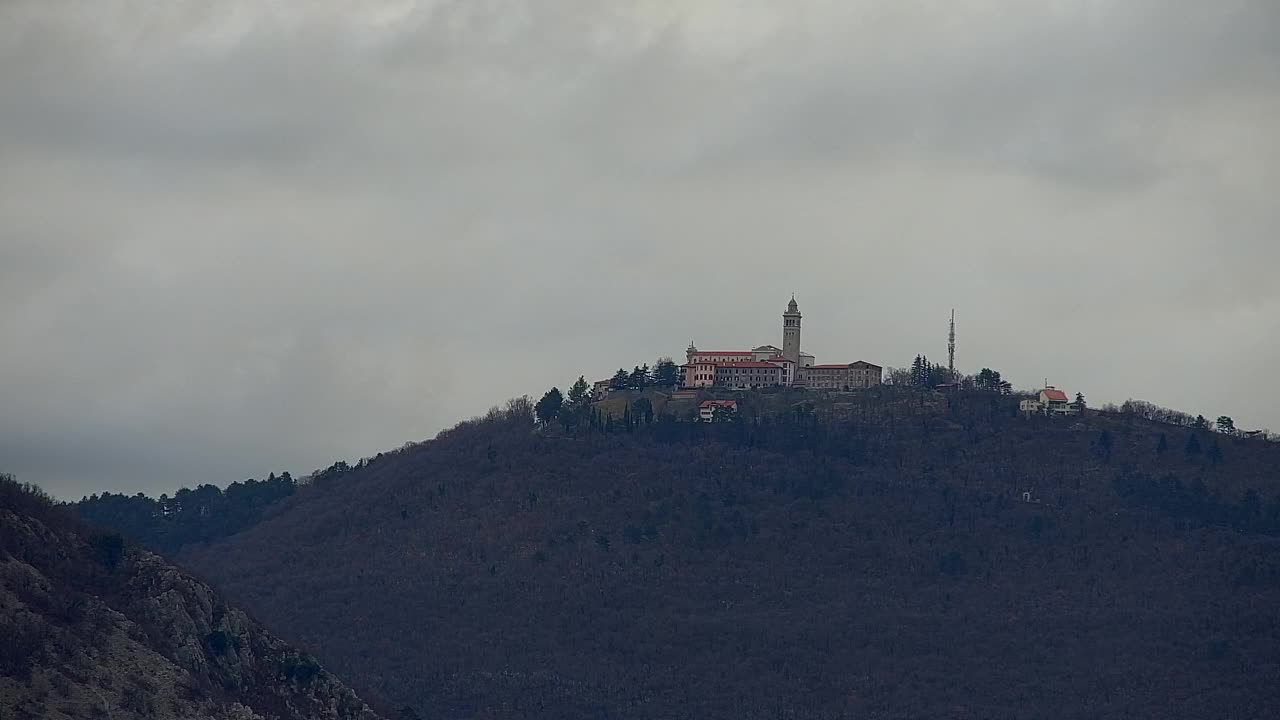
(791, 332)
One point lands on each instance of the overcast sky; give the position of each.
(238, 237)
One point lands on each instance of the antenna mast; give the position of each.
(951, 347)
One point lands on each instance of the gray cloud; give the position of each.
(236, 239)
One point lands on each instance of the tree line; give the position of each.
(201, 514)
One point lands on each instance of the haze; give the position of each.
(240, 237)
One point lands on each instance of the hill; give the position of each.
(93, 627)
(879, 554)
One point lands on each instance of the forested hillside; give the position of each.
(93, 627)
(202, 514)
(871, 560)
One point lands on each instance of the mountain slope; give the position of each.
(95, 628)
(875, 564)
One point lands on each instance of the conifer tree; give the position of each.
(620, 380)
(639, 379)
(1193, 445)
(549, 406)
(666, 372)
(579, 394)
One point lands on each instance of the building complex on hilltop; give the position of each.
(768, 366)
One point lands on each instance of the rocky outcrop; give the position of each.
(95, 628)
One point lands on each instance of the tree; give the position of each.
(643, 409)
(918, 371)
(619, 380)
(722, 413)
(1193, 445)
(639, 379)
(549, 406)
(989, 379)
(1163, 446)
(1226, 425)
(898, 377)
(1215, 453)
(579, 394)
(1104, 445)
(1200, 422)
(1080, 401)
(666, 373)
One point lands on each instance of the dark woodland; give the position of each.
(894, 554)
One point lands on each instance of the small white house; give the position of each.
(1051, 401)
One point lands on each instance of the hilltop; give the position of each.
(875, 554)
(94, 627)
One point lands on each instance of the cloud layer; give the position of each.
(249, 237)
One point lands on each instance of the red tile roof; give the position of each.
(829, 367)
(719, 403)
(1054, 395)
(748, 364)
(722, 352)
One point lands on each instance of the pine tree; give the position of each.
(666, 372)
(639, 379)
(549, 406)
(579, 394)
(917, 371)
(620, 380)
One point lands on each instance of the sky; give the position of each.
(241, 237)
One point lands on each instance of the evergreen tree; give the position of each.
(643, 411)
(1193, 445)
(1200, 422)
(1163, 446)
(989, 379)
(1215, 453)
(639, 379)
(917, 371)
(579, 394)
(1104, 445)
(620, 380)
(626, 417)
(549, 406)
(1226, 425)
(1080, 401)
(666, 372)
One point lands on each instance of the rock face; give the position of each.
(95, 628)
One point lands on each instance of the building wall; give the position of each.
(700, 374)
(788, 370)
(727, 376)
(865, 375)
(859, 375)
